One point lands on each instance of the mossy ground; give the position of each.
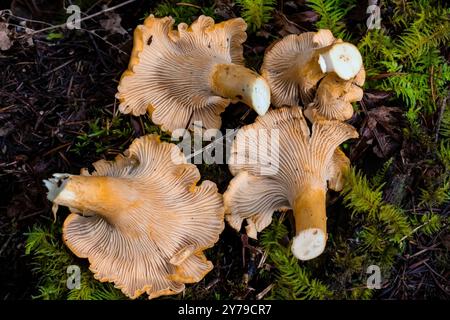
(58, 114)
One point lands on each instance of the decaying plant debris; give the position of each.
(58, 114)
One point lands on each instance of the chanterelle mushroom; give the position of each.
(191, 74)
(141, 220)
(305, 163)
(294, 65)
(334, 97)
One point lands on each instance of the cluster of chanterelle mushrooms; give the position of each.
(142, 220)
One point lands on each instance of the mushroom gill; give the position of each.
(189, 74)
(295, 66)
(141, 220)
(334, 97)
(304, 163)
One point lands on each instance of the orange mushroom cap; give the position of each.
(294, 66)
(291, 66)
(141, 220)
(306, 161)
(191, 74)
(334, 97)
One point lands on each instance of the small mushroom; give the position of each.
(305, 162)
(141, 220)
(294, 65)
(334, 97)
(191, 74)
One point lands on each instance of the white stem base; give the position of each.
(309, 244)
(260, 96)
(56, 185)
(343, 58)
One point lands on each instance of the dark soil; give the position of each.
(48, 93)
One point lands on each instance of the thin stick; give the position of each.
(215, 142)
(188, 5)
(441, 114)
(212, 144)
(414, 230)
(63, 25)
(261, 295)
(9, 12)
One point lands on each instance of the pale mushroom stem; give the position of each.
(310, 224)
(342, 58)
(105, 196)
(241, 84)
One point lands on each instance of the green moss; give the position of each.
(184, 11)
(406, 57)
(293, 281)
(378, 230)
(332, 15)
(411, 63)
(102, 134)
(50, 260)
(256, 12)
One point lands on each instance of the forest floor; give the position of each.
(58, 113)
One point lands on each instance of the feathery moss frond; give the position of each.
(431, 223)
(294, 282)
(50, 260)
(435, 196)
(445, 124)
(444, 154)
(332, 14)
(377, 180)
(256, 12)
(182, 11)
(428, 30)
(359, 196)
(363, 199)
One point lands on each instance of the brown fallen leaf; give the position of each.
(383, 126)
(5, 41)
(284, 25)
(294, 4)
(224, 9)
(263, 34)
(29, 37)
(304, 17)
(373, 97)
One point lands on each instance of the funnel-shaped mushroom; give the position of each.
(141, 220)
(334, 97)
(305, 163)
(294, 65)
(191, 74)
